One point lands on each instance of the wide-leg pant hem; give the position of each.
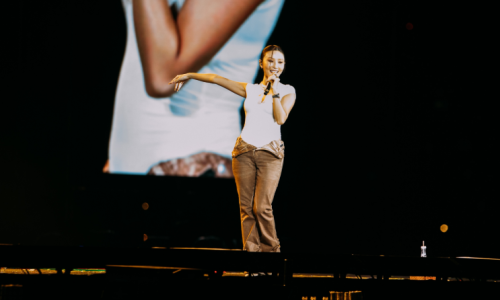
(257, 174)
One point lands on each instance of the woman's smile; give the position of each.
(273, 63)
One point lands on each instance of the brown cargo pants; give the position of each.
(257, 172)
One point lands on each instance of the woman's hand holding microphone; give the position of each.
(275, 80)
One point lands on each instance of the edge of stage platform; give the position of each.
(216, 259)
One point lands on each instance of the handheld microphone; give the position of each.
(268, 88)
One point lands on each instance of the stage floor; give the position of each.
(193, 273)
(87, 272)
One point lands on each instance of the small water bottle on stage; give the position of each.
(422, 252)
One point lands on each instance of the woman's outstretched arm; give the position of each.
(239, 88)
(168, 47)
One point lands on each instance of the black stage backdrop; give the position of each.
(391, 136)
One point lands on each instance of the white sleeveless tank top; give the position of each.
(260, 127)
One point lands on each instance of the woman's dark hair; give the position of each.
(271, 48)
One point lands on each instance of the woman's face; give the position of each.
(273, 63)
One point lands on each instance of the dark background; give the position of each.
(391, 136)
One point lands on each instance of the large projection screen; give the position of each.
(191, 132)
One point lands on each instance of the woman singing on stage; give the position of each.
(259, 151)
